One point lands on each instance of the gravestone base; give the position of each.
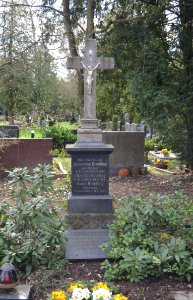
(84, 244)
(90, 202)
(20, 292)
(89, 220)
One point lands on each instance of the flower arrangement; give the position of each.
(165, 152)
(161, 163)
(78, 291)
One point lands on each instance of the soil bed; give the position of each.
(152, 288)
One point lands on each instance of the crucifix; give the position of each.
(90, 63)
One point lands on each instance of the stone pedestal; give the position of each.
(89, 205)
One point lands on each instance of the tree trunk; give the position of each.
(90, 33)
(186, 46)
(73, 51)
(72, 42)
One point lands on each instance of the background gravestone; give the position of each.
(11, 131)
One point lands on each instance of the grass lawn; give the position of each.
(68, 125)
(3, 123)
(25, 133)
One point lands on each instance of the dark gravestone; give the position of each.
(85, 244)
(90, 163)
(11, 131)
(23, 292)
(90, 174)
(90, 179)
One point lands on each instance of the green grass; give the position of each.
(67, 125)
(3, 123)
(25, 133)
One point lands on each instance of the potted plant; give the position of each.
(161, 163)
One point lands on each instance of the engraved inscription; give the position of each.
(90, 175)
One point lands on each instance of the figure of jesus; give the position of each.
(89, 78)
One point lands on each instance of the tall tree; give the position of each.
(26, 67)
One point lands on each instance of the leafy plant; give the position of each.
(31, 233)
(61, 136)
(151, 236)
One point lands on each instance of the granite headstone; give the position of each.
(11, 131)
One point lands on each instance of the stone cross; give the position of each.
(90, 63)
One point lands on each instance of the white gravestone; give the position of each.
(127, 126)
(133, 127)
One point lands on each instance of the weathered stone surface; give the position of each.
(128, 149)
(89, 220)
(21, 292)
(183, 295)
(85, 244)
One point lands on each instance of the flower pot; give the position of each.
(123, 172)
(161, 166)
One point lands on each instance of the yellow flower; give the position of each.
(75, 285)
(58, 295)
(165, 151)
(120, 297)
(101, 285)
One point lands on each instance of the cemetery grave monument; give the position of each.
(89, 201)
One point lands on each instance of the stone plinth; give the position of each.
(86, 244)
(90, 178)
(183, 295)
(23, 292)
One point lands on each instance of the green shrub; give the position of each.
(114, 122)
(61, 136)
(150, 143)
(150, 237)
(31, 233)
